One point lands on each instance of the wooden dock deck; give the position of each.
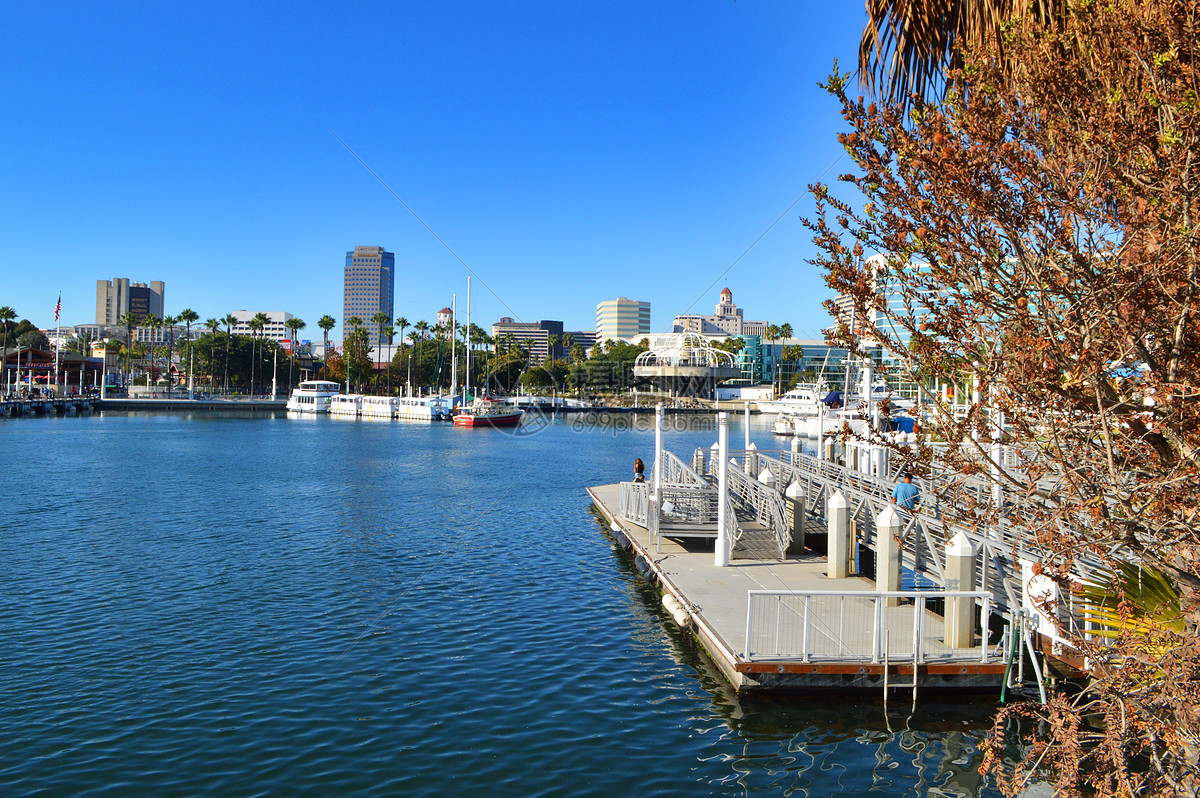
(834, 644)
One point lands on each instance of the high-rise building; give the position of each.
(622, 318)
(116, 297)
(368, 288)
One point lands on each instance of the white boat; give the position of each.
(423, 408)
(801, 400)
(377, 406)
(313, 396)
(345, 405)
(787, 424)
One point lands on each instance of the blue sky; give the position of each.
(567, 152)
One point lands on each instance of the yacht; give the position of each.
(313, 396)
(801, 400)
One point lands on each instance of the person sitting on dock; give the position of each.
(905, 494)
(639, 470)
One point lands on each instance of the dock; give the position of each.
(15, 406)
(844, 651)
(787, 568)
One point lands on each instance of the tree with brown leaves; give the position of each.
(1036, 232)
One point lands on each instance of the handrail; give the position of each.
(766, 503)
(802, 624)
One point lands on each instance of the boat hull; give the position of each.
(496, 420)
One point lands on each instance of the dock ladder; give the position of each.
(887, 668)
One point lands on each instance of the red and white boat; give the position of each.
(486, 413)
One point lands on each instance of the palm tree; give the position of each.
(379, 320)
(909, 46)
(7, 314)
(150, 322)
(422, 329)
(213, 325)
(402, 325)
(389, 331)
(255, 324)
(169, 323)
(229, 321)
(130, 321)
(294, 325)
(326, 323)
(351, 350)
(187, 316)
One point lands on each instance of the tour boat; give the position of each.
(423, 408)
(377, 406)
(345, 405)
(486, 413)
(313, 396)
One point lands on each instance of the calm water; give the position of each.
(265, 606)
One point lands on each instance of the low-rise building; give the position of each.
(726, 320)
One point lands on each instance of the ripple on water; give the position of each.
(256, 607)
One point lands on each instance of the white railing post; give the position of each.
(887, 553)
(960, 575)
(837, 516)
(877, 631)
(918, 631)
(804, 652)
(721, 553)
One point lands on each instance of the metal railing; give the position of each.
(677, 472)
(854, 625)
(764, 502)
(635, 502)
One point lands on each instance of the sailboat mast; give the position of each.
(467, 379)
(453, 352)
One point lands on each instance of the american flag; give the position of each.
(58, 307)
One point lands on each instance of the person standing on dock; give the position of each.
(639, 470)
(906, 494)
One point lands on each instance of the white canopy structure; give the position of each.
(686, 364)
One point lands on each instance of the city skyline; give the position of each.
(562, 156)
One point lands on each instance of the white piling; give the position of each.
(721, 553)
(887, 552)
(837, 514)
(960, 575)
(797, 500)
(658, 450)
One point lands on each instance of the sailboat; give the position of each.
(482, 411)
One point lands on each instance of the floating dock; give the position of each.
(839, 632)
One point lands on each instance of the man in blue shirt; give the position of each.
(905, 494)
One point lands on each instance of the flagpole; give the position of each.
(57, 341)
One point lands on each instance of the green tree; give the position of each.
(229, 320)
(326, 323)
(169, 323)
(128, 320)
(152, 324)
(213, 325)
(294, 325)
(188, 316)
(7, 315)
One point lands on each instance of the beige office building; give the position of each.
(622, 318)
